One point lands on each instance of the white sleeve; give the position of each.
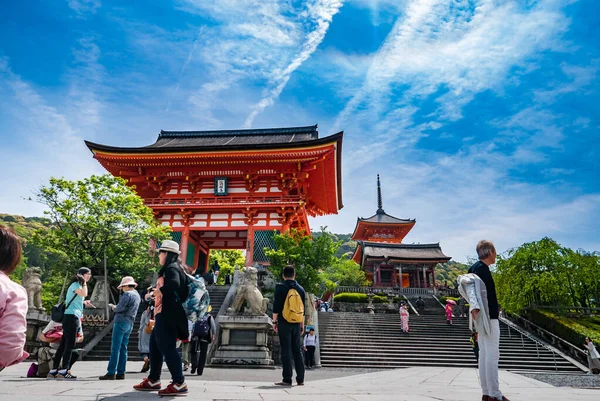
(472, 297)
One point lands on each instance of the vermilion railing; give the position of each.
(223, 200)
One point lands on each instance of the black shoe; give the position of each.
(107, 377)
(146, 367)
(282, 383)
(121, 377)
(193, 370)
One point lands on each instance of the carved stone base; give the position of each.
(244, 341)
(37, 319)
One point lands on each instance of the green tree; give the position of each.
(344, 272)
(227, 259)
(309, 255)
(545, 273)
(94, 216)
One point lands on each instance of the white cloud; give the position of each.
(44, 144)
(463, 50)
(256, 43)
(84, 7)
(320, 13)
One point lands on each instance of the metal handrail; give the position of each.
(578, 351)
(542, 343)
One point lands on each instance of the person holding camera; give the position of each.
(125, 313)
(76, 294)
(145, 330)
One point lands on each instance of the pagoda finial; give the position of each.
(379, 200)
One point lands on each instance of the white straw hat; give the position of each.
(127, 280)
(169, 246)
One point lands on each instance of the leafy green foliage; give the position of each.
(356, 297)
(25, 227)
(546, 273)
(96, 215)
(227, 259)
(447, 273)
(347, 245)
(571, 329)
(343, 272)
(309, 255)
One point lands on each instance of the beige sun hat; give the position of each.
(127, 280)
(169, 246)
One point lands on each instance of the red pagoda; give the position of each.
(232, 189)
(388, 262)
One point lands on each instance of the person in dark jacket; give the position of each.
(170, 323)
(290, 334)
(489, 345)
(199, 344)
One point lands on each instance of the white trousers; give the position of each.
(489, 354)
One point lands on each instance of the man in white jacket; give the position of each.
(479, 289)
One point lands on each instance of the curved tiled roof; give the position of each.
(403, 251)
(382, 217)
(180, 139)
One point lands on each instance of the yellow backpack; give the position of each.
(293, 308)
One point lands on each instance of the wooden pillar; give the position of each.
(433, 275)
(206, 260)
(400, 276)
(374, 274)
(196, 255)
(183, 247)
(250, 246)
(424, 277)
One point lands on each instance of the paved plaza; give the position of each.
(412, 384)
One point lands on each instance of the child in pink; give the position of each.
(404, 318)
(449, 313)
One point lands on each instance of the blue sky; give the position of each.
(481, 116)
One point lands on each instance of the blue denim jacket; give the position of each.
(127, 307)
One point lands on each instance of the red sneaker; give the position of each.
(147, 385)
(174, 390)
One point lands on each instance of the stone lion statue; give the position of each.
(248, 291)
(33, 285)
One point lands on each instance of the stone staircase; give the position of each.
(217, 296)
(101, 352)
(360, 340)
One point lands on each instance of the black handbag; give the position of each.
(58, 311)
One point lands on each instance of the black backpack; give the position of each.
(58, 311)
(202, 327)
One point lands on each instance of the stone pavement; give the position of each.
(412, 384)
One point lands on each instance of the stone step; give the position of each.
(439, 359)
(362, 340)
(370, 365)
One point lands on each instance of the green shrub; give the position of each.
(352, 297)
(568, 329)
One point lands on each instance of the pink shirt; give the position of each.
(13, 325)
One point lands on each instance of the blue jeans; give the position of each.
(118, 349)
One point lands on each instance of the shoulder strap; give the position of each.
(71, 301)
